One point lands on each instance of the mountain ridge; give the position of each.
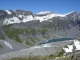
(18, 16)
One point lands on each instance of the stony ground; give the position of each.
(43, 50)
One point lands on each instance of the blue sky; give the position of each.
(57, 6)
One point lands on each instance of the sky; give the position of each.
(56, 6)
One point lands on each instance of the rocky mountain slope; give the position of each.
(22, 29)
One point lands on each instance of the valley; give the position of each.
(23, 33)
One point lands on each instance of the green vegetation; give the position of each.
(60, 53)
(32, 39)
(55, 28)
(2, 37)
(1, 46)
(43, 31)
(50, 57)
(33, 31)
(46, 36)
(29, 58)
(17, 39)
(13, 33)
(34, 58)
(28, 43)
(30, 31)
(49, 25)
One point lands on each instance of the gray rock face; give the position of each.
(3, 15)
(2, 12)
(22, 12)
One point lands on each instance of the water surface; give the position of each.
(57, 40)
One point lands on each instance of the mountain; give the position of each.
(22, 29)
(18, 16)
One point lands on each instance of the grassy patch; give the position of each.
(2, 37)
(43, 58)
(13, 33)
(46, 36)
(29, 43)
(30, 31)
(51, 56)
(17, 39)
(1, 46)
(32, 39)
(33, 58)
(29, 58)
(60, 53)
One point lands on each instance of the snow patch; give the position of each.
(8, 12)
(70, 47)
(28, 18)
(77, 44)
(11, 20)
(20, 16)
(8, 44)
(41, 46)
(49, 16)
(44, 12)
(46, 45)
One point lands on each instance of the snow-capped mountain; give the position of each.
(18, 16)
(24, 29)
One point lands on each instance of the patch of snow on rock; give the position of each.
(77, 44)
(8, 12)
(49, 16)
(44, 12)
(8, 44)
(11, 20)
(46, 45)
(41, 46)
(28, 18)
(69, 49)
(20, 16)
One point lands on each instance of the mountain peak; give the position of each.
(45, 12)
(71, 12)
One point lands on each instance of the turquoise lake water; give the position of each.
(57, 40)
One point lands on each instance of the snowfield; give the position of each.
(70, 47)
